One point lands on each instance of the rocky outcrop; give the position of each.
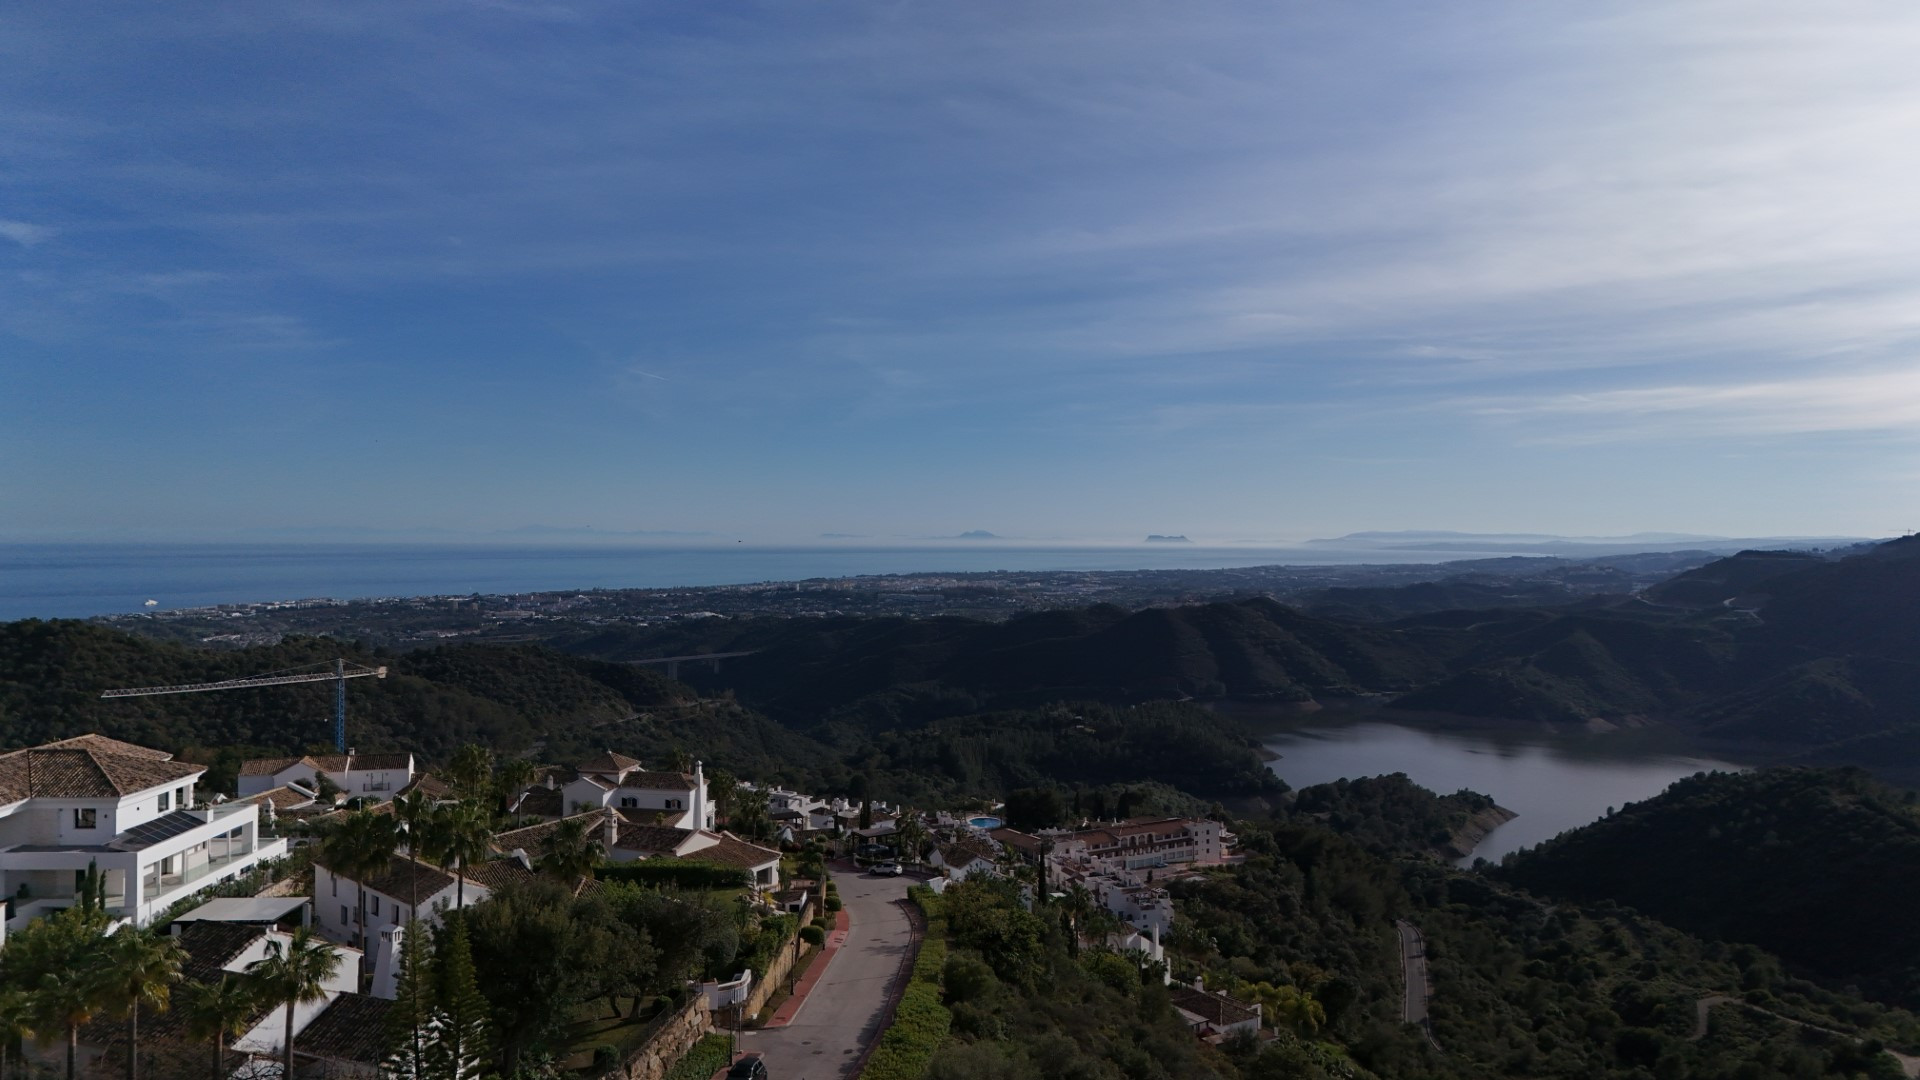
(1473, 830)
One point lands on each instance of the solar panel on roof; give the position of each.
(161, 828)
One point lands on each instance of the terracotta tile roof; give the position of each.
(545, 802)
(652, 839)
(658, 781)
(1214, 1009)
(1025, 843)
(429, 785)
(353, 1027)
(405, 880)
(282, 798)
(733, 851)
(93, 741)
(609, 762)
(497, 873)
(211, 946)
(332, 763)
(85, 772)
(533, 838)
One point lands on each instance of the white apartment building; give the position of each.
(375, 776)
(127, 810)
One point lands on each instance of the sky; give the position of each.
(1240, 271)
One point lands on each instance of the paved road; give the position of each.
(1413, 970)
(1909, 1065)
(843, 1013)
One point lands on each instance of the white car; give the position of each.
(887, 869)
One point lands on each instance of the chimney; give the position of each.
(610, 831)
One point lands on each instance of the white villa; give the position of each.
(376, 776)
(126, 809)
(624, 841)
(617, 782)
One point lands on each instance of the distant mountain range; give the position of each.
(1805, 657)
(1572, 546)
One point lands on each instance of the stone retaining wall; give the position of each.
(668, 1044)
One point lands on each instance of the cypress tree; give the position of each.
(466, 1041)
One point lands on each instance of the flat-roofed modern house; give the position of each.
(375, 776)
(128, 810)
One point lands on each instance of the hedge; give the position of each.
(707, 1057)
(775, 934)
(921, 1023)
(678, 873)
(813, 935)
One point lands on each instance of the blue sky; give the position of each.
(1241, 271)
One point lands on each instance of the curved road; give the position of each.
(842, 1015)
(1417, 991)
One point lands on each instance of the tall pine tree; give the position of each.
(467, 1040)
(415, 995)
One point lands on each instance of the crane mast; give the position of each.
(342, 671)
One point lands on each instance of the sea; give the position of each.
(77, 580)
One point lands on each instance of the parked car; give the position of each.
(749, 1067)
(887, 869)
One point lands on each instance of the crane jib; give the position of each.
(242, 684)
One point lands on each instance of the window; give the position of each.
(628, 800)
(180, 797)
(673, 804)
(336, 887)
(346, 916)
(373, 904)
(166, 802)
(83, 818)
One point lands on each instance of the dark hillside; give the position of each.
(52, 673)
(1819, 866)
(1244, 649)
(1736, 575)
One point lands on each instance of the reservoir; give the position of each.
(1554, 781)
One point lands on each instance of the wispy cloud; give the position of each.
(1867, 401)
(25, 233)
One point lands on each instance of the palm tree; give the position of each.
(912, 834)
(570, 852)
(13, 1024)
(219, 1012)
(66, 1000)
(294, 973)
(1078, 904)
(141, 968)
(361, 847)
(471, 771)
(510, 778)
(461, 835)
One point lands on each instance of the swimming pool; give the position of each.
(984, 821)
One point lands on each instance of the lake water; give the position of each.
(1553, 781)
(77, 580)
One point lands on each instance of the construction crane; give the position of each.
(342, 671)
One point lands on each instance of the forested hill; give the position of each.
(1825, 670)
(510, 697)
(1821, 866)
(1244, 649)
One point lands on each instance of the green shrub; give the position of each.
(813, 936)
(707, 1057)
(676, 873)
(775, 933)
(833, 903)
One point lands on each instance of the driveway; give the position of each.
(842, 1015)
